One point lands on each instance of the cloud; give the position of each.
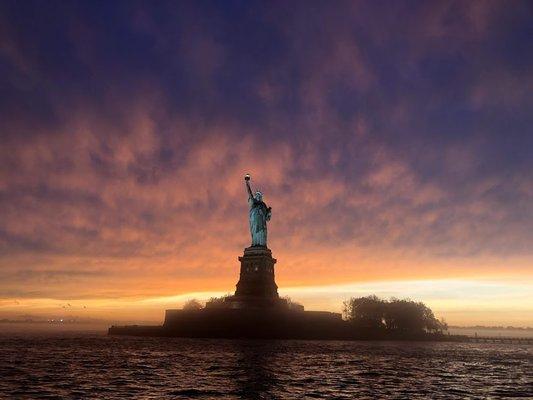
(397, 152)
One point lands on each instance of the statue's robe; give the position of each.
(259, 215)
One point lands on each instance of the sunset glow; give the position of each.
(397, 162)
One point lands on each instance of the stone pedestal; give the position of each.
(257, 274)
(256, 286)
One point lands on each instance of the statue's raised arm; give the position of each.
(259, 215)
(249, 190)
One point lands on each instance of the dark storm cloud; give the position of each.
(127, 126)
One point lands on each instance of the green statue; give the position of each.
(259, 215)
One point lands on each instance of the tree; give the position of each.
(217, 301)
(395, 315)
(192, 304)
(365, 312)
(405, 316)
(293, 305)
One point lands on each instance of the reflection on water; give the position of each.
(92, 366)
(255, 365)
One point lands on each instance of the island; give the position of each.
(257, 311)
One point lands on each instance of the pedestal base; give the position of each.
(256, 287)
(249, 302)
(257, 274)
(244, 323)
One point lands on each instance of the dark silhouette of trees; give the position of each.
(192, 304)
(215, 302)
(293, 305)
(399, 316)
(365, 312)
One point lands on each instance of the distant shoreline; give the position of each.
(455, 334)
(30, 325)
(511, 328)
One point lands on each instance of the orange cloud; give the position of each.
(397, 154)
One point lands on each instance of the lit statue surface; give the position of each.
(259, 215)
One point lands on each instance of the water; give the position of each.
(95, 366)
(488, 332)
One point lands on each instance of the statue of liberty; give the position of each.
(259, 215)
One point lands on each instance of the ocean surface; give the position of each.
(76, 365)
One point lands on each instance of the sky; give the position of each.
(392, 139)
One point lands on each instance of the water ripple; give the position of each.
(101, 367)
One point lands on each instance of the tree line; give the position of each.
(402, 316)
(370, 314)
